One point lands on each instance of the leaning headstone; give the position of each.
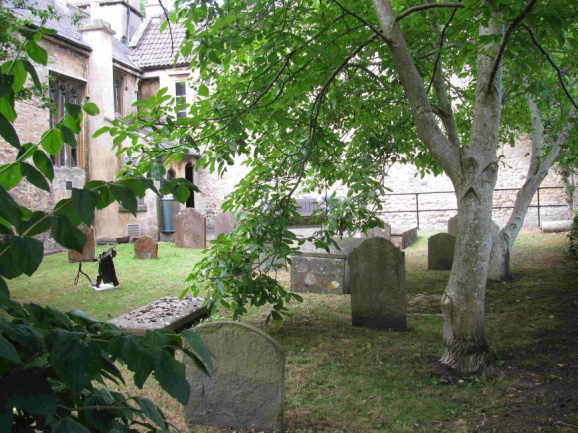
(378, 289)
(146, 247)
(453, 225)
(246, 390)
(225, 223)
(89, 250)
(499, 268)
(440, 252)
(190, 229)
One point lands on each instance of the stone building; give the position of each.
(112, 53)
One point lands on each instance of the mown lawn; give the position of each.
(345, 379)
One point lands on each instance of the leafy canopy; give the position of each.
(306, 96)
(54, 366)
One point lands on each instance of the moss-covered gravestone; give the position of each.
(440, 252)
(378, 290)
(247, 387)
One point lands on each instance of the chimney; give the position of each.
(153, 8)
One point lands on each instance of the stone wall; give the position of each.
(67, 62)
(404, 179)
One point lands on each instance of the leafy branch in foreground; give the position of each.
(55, 367)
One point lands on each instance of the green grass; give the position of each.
(345, 379)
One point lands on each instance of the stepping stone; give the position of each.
(166, 313)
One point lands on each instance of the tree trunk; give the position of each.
(473, 171)
(537, 171)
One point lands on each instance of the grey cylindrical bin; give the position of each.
(169, 209)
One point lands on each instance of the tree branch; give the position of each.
(505, 40)
(558, 71)
(418, 8)
(364, 21)
(428, 129)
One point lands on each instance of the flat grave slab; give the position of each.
(166, 313)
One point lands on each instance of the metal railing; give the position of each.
(417, 210)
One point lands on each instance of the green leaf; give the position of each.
(182, 193)
(52, 141)
(65, 207)
(6, 84)
(157, 170)
(73, 118)
(66, 234)
(43, 164)
(8, 351)
(34, 176)
(68, 136)
(37, 223)
(171, 377)
(8, 132)
(200, 348)
(7, 106)
(9, 209)
(16, 68)
(28, 390)
(137, 354)
(125, 196)
(101, 131)
(76, 360)
(32, 71)
(36, 52)
(203, 90)
(151, 411)
(214, 57)
(27, 33)
(91, 108)
(10, 175)
(105, 197)
(74, 110)
(26, 253)
(68, 425)
(84, 202)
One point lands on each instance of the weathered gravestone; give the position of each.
(440, 252)
(246, 390)
(378, 290)
(146, 247)
(453, 225)
(190, 229)
(89, 250)
(378, 232)
(319, 271)
(225, 223)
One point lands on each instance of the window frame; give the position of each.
(64, 89)
(119, 89)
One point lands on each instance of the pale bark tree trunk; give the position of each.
(537, 171)
(473, 171)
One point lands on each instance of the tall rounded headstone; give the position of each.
(225, 223)
(246, 390)
(190, 229)
(378, 288)
(440, 252)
